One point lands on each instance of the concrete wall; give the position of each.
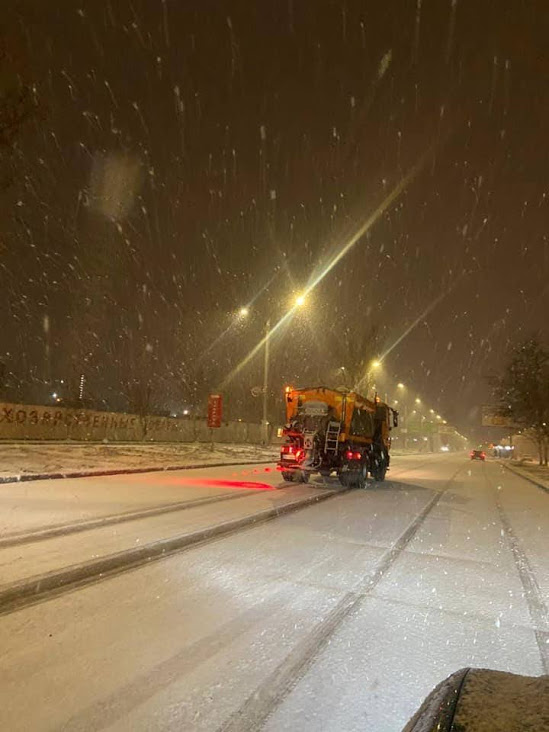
(34, 422)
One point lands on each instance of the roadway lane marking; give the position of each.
(256, 709)
(118, 518)
(40, 588)
(65, 529)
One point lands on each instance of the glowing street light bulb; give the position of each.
(243, 312)
(432, 411)
(300, 301)
(418, 400)
(400, 385)
(376, 364)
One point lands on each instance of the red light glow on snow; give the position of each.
(199, 482)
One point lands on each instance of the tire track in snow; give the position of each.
(256, 709)
(532, 592)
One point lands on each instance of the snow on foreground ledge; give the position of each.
(495, 700)
(43, 458)
(483, 700)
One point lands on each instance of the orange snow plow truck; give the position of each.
(337, 431)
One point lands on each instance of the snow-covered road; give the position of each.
(339, 616)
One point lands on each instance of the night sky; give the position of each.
(189, 158)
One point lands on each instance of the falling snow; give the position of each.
(394, 157)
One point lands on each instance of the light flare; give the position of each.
(335, 259)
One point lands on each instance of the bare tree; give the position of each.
(522, 392)
(139, 376)
(18, 101)
(360, 350)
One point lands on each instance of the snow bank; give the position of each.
(26, 459)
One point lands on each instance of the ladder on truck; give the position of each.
(332, 437)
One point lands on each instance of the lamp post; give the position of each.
(266, 356)
(401, 387)
(299, 301)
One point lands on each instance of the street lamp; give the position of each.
(375, 364)
(299, 301)
(266, 354)
(418, 400)
(243, 312)
(342, 372)
(402, 388)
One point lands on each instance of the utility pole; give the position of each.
(265, 422)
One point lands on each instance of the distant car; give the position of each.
(478, 455)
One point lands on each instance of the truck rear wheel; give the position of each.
(302, 476)
(379, 468)
(288, 476)
(361, 476)
(379, 474)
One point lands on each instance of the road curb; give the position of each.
(524, 474)
(28, 591)
(123, 471)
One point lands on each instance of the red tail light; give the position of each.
(350, 455)
(482, 454)
(299, 454)
(472, 453)
(288, 449)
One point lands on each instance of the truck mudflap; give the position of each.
(294, 473)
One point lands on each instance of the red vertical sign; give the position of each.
(215, 410)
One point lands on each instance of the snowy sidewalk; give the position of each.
(28, 461)
(537, 474)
